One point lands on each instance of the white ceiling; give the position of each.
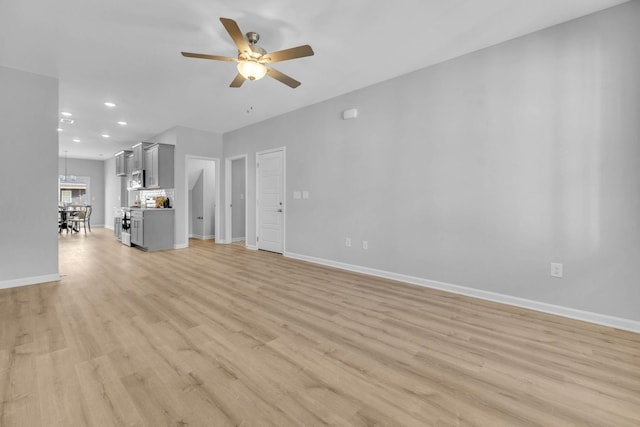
(128, 52)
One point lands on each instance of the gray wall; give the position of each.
(28, 169)
(188, 142)
(238, 199)
(482, 170)
(95, 170)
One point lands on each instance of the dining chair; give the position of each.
(83, 217)
(62, 220)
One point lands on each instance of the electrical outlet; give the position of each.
(556, 270)
(365, 245)
(347, 242)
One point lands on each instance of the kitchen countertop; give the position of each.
(150, 209)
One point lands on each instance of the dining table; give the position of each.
(65, 214)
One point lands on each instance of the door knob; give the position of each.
(279, 210)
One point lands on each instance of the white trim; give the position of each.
(205, 237)
(228, 220)
(181, 246)
(216, 224)
(25, 281)
(238, 239)
(572, 313)
(284, 195)
(251, 247)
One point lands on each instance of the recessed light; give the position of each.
(121, 123)
(76, 140)
(66, 114)
(104, 135)
(66, 121)
(110, 104)
(59, 129)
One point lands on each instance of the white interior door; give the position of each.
(270, 201)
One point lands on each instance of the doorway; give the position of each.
(235, 193)
(270, 207)
(202, 177)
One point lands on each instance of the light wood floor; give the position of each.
(220, 336)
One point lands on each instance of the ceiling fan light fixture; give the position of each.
(251, 69)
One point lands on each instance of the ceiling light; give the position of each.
(66, 121)
(76, 140)
(59, 129)
(121, 123)
(64, 113)
(110, 104)
(251, 69)
(104, 135)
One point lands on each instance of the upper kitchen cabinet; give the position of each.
(121, 162)
(138, 155)
(129, 163)
(158, 165)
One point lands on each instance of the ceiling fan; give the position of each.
(252, 59)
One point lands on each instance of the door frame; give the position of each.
(228, 215)
(284, 195)
(216, 210)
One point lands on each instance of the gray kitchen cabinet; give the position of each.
(151, 181)
(117, 227)
(152, 229)
(138, 155)
(158, 164)
(129, 163)
(137, 229)
(121, 162)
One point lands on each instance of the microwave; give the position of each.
(137, 179)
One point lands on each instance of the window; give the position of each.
(73, 190)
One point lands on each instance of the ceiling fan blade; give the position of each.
(286, 54)
(203, 56)
(236, 35)
(282, 78)
(237, 82)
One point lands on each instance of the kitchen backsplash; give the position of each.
(161, 192)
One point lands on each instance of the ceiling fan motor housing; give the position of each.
(253, 37)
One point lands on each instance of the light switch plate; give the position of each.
(296, 195)
(305, 194)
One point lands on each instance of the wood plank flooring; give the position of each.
(218, 335)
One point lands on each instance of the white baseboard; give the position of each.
(238, 239)
(201, 237)
(25, 281)
(252, 247)
(181, 246)
(572, 313)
